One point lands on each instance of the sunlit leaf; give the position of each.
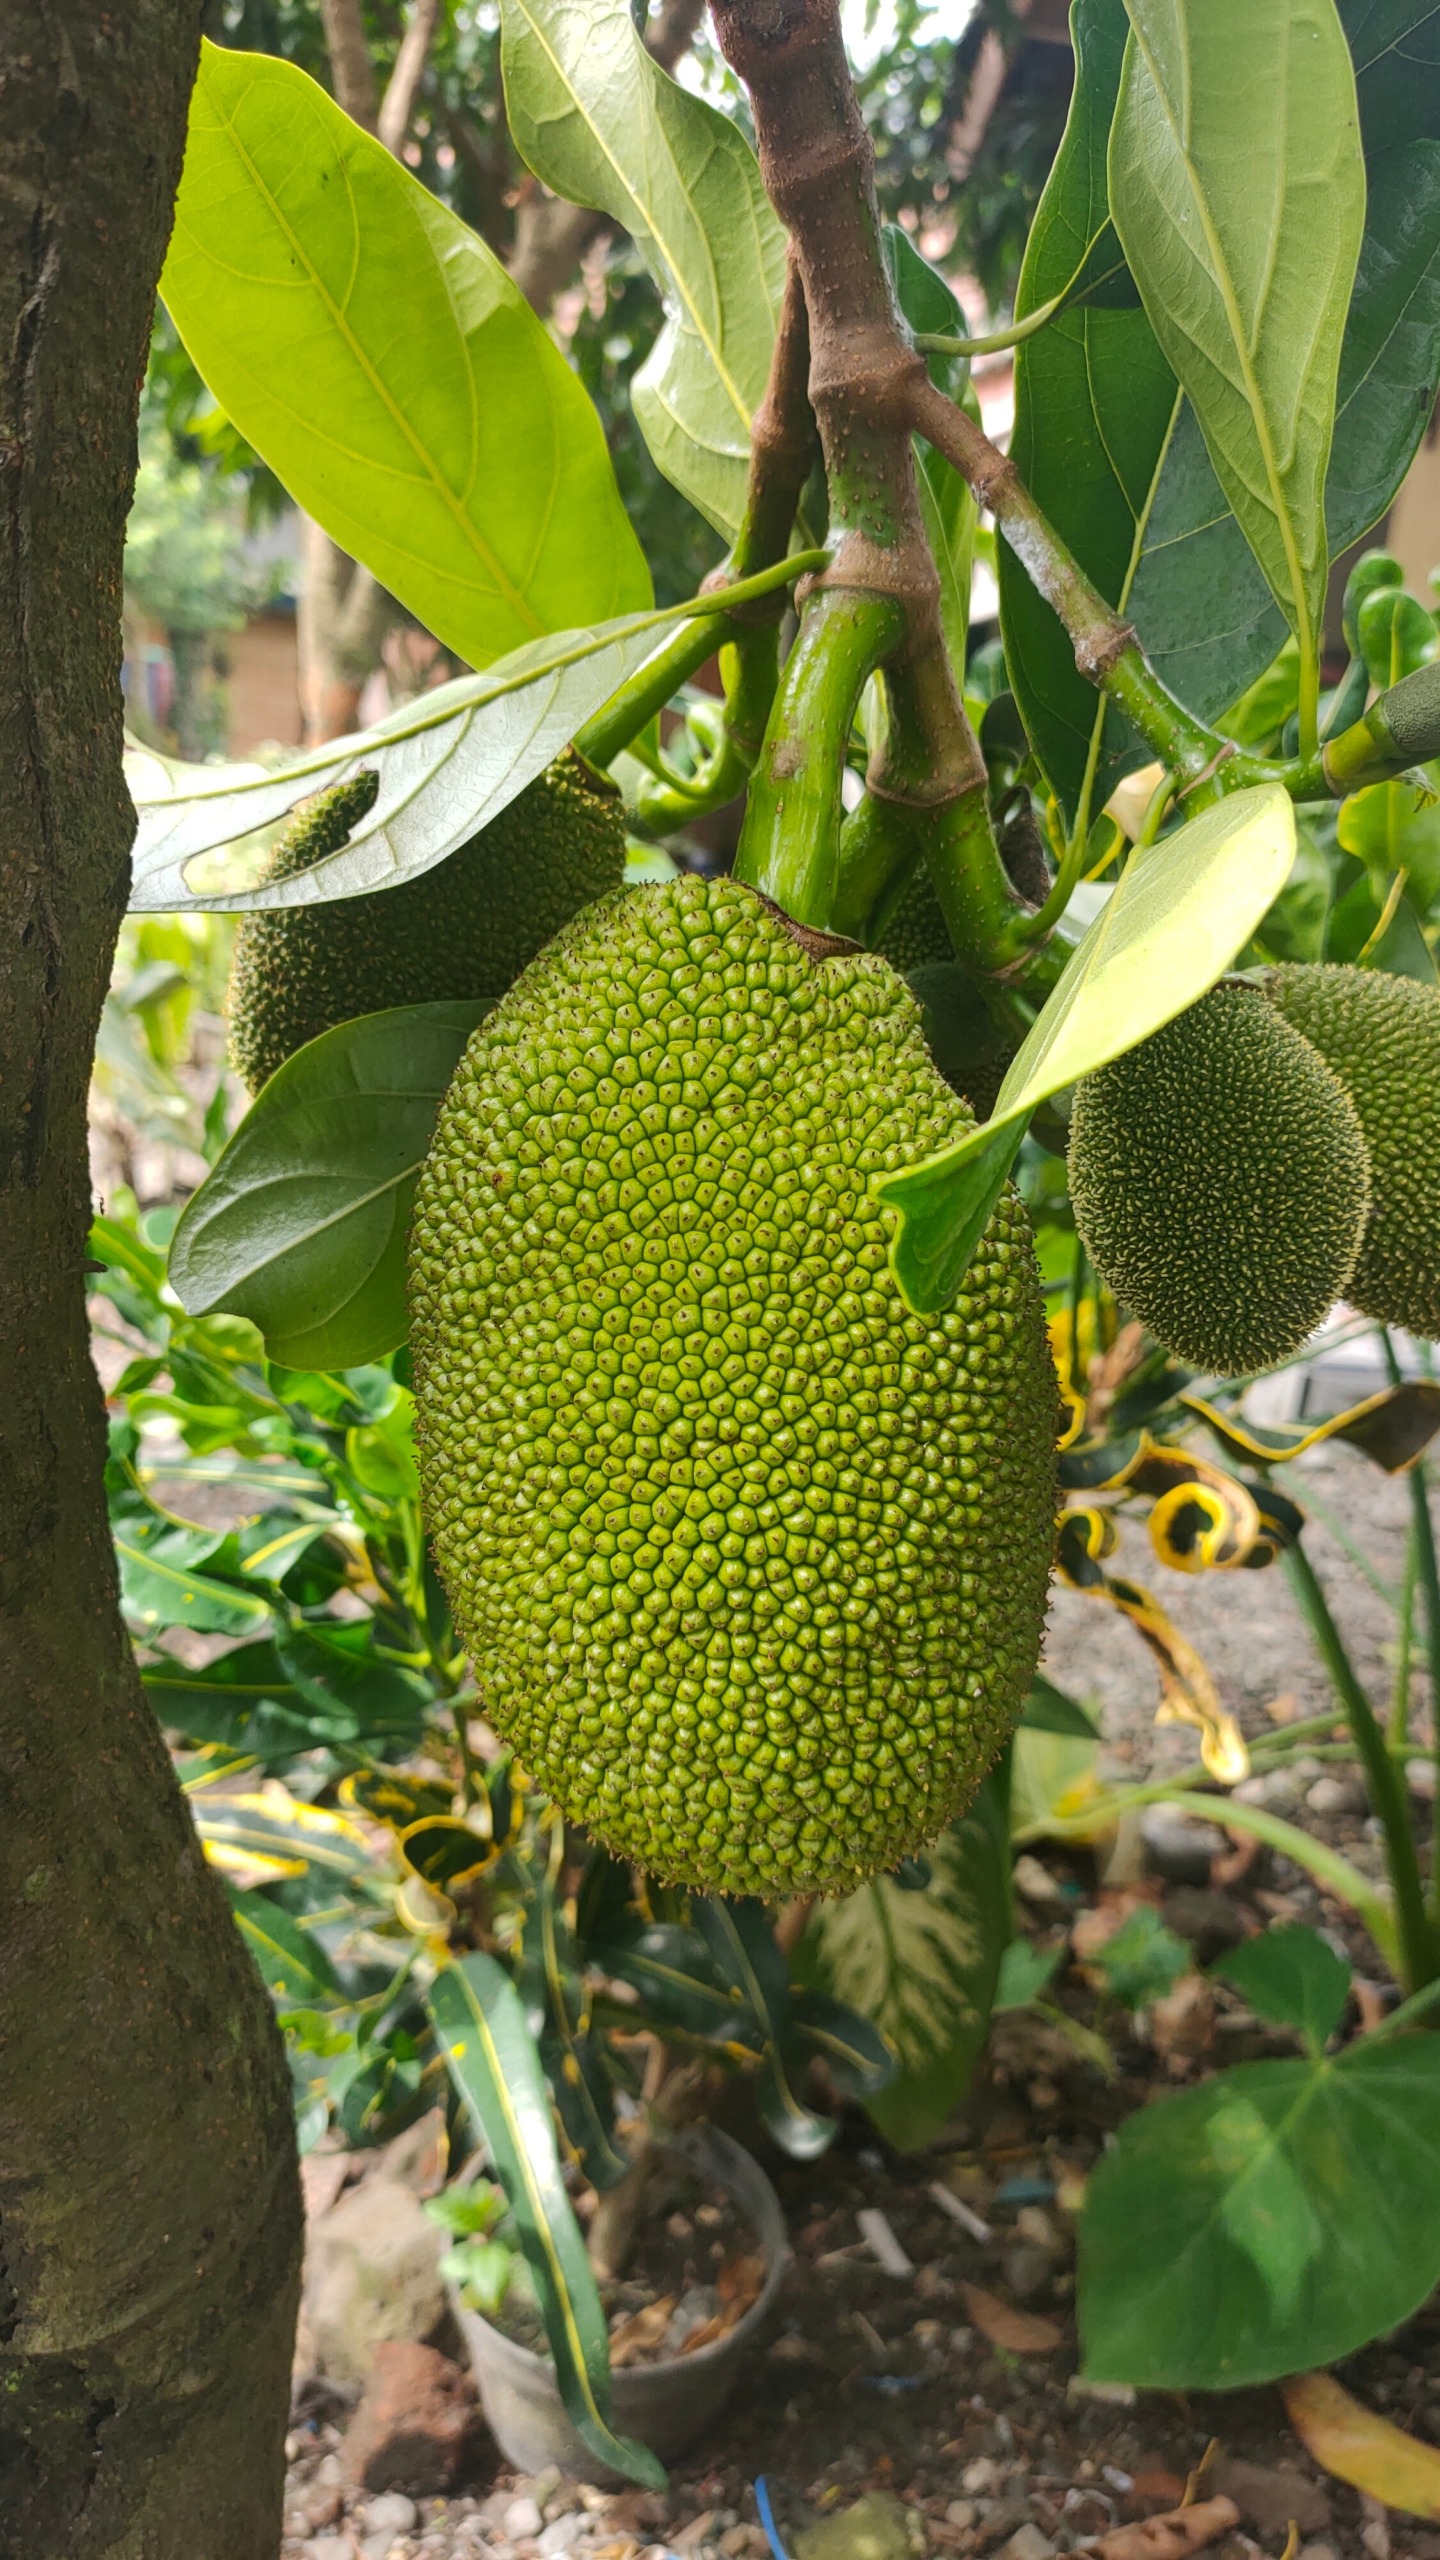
(374, 350)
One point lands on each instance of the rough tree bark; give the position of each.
(149, 2200)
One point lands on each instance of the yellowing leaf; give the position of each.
(1353, 2444)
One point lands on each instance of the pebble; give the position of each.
(391, 2513)
(982, 2478)
(1421, 1775)
(521, 2521)
(563, 2534)
(961, 2511)
(330, 2546)
(1336, 1795)
(1027, 2542)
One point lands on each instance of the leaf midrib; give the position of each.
(1225, 283)
(465, 522)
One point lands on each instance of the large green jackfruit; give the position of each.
(464, 929)
(1219, 1181)
(1381, 1037)
(916, 935)
(750, 1561)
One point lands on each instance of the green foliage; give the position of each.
(1273, 2218)
(511, 525)
(595, 117)
(1142, 1961)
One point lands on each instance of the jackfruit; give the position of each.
(464, 929)
(1381, 1036)
(1219, 1182)
(751, 1562)
(915, 934)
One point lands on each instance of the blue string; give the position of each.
(767, 2519)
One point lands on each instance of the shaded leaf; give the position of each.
(298, 1973)
(1276, 2217)
(598, 120)
(922, 1967)
(301, 1223)
(744, 1954)
(457, 456)
(480, 2022)
(1247, 280)
(1293, 1978)
(159, 1586)
(859, 2058)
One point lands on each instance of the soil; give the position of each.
(693, 2269)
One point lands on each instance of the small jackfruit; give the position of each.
(750, 1561)
(464, 929)
(1219, 1181)
(915, 934)
(1381, 1036)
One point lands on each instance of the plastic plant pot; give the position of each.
(666, 2406)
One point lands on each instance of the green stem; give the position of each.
(1398, 1729)
(1426, 1566)
(1420, 1955)
(705, 629)
(932, 343)
(790, 843)
(879, 851)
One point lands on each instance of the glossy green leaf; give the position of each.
(301, 1223)
(1200, 600)
(599, 121)
(1240, 204)
(480, 2022)
(923, 1968)
(1182, 909)
(297, 1971)
(1273, 2219)
(858, 2056)
(376, 353)
(448, 763)
(670, 1966)
(746, 1958)
(273, 1701)
(1094, 403)
(1292, 1977)
(1052, 1710)
(161, 1585)
(550, 1983)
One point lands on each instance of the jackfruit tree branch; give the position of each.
(878, 604)
(1107, 652)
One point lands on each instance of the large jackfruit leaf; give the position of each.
(1182, 909)
(376, 353)
(1126, 476)
(480, 2021)
(1247, 284)
(600, 122)
(301, 1223)
(448, 763)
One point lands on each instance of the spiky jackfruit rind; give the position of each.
(1219, 1181)
(1381, 1037)
(460, 931)
(915, 935)
(751, 1563)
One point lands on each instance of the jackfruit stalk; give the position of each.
(464, 929)
(1381, 1036)
(1219, 1181)
(750, 1561)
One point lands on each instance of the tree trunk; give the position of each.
(149, 2204)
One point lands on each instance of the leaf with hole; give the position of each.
(1240, 205)
(301, 1223)
(1182, 909)
(598, 120)
(480, 2021)
(448, 763)
(376, 353)
(1278, 2216)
